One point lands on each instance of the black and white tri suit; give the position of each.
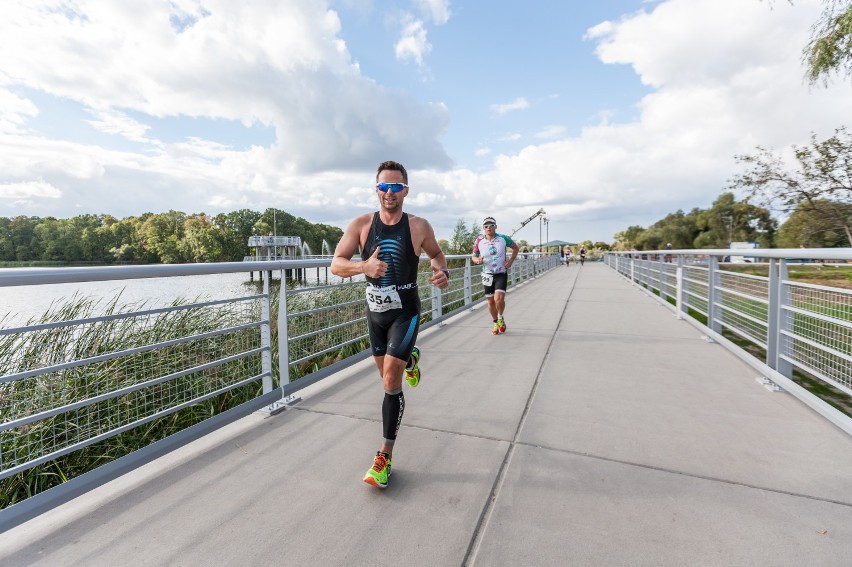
(393, 302)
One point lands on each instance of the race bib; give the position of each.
(487, 279)
(380, 299)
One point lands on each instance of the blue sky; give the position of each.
(606, 114)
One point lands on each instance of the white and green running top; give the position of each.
(493, 252)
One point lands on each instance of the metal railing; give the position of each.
(78, 378)
(795, 327)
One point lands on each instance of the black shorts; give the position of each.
(394, 332)
(499, 283)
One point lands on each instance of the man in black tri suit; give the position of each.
(391, 242)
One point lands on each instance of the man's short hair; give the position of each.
(393, 166)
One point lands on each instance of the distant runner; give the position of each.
(490, 251)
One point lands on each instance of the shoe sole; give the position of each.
(373, 482)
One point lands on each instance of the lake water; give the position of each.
(21, 303)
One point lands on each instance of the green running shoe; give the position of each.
(412, 375)
(378, 474)
(501, 325)
(496, 329)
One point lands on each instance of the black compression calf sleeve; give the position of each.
(392, 410)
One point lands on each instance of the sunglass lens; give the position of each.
(394, 187)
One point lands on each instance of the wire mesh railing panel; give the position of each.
(752, 286)
(818, 327)
(66, 384)
(744, 300)
(736, 317)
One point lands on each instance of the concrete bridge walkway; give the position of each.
(599, 430)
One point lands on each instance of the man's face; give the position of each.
(490, 229)
(391, 201)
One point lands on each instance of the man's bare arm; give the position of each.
(344, 266)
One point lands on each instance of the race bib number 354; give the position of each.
(380, 299)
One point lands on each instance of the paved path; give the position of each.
(598, 430)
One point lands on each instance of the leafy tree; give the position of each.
(23, 237)
(802, 229)
(729, 220)
(823, 177)
(830, 47)
(200, 242)
(628, 238)
(7, 245)
(162, 234)
(463, 238)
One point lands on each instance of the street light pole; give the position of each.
(539, 235)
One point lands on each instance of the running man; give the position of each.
(582, 255)
(490, 251)
(568, 254)
(390, 242)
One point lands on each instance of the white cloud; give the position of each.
(271, 62)
(550, 132)
(511, 137)
(118, 123)
(723, 76)
(27, 191)
(726, 77)
(438, 11)
(413, 44)
(14, 111)
(519, 103)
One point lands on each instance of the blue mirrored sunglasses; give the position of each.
(394, 187)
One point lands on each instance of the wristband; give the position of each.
(446, 272)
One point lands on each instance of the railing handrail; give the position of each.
(77, 274)
(777, 253)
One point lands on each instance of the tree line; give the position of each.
(813, 192)
(172, 237)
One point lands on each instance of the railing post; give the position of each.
(468, 288)
(784, 323)
(284, 342)
(266, 339)
(437, 307)
(682, 296)
(713, 283)
(772, 316)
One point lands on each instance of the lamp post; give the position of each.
(730, 230)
